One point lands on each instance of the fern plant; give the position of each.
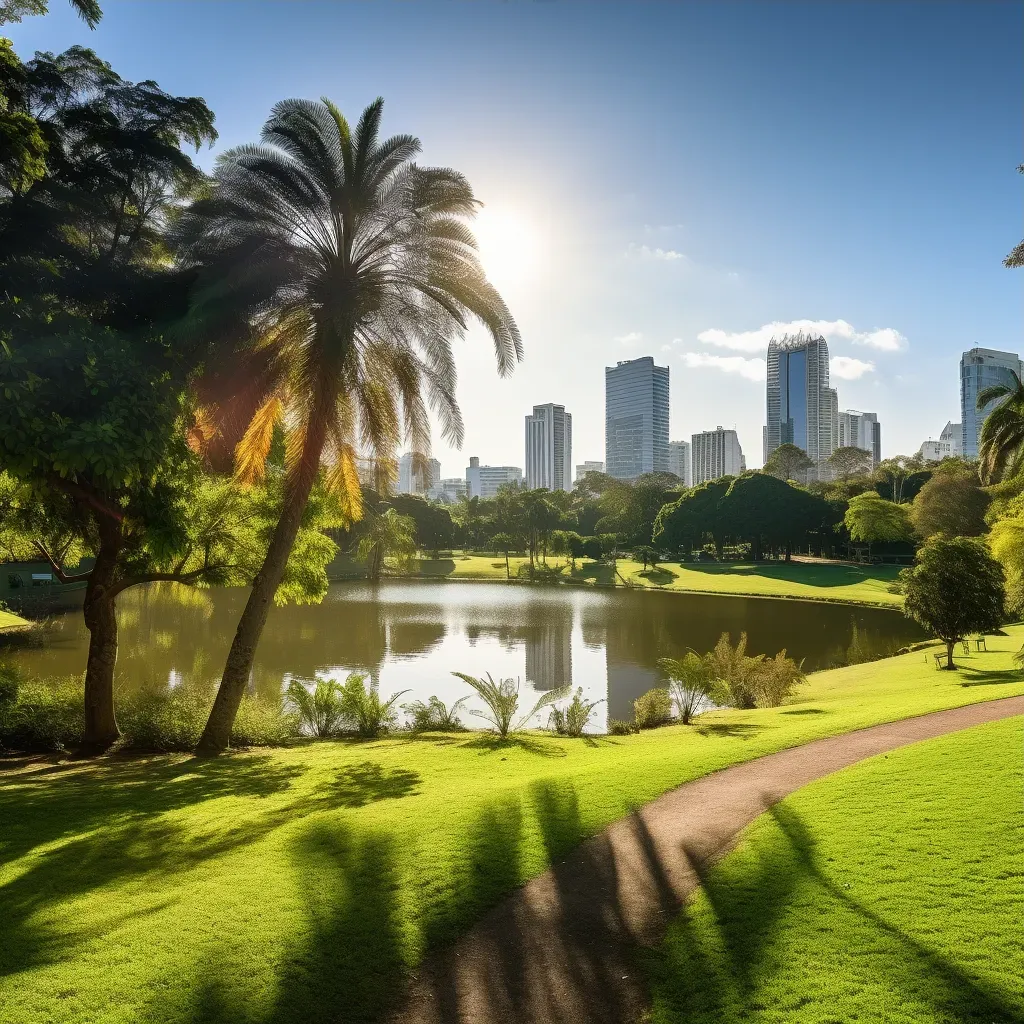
(362, 706)
(502, 701)
(434, 716)
(319, 709)
(573, 719)
(692, 684)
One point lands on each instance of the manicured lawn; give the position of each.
(811, 580)
(300, 884)
(8, 620)
(892, 891)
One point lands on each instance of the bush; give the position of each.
(653, 708)
(9, 682)
(45, 715)
(617, 727)
(592, 548)
(434, 716)
(363, 708)
(572, 720)
(319, 709)
(692, 684)
(502, 701)
(752, 682)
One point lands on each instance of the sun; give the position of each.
(511, 247)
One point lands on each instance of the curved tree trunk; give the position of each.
(238, 667)
(101, 728)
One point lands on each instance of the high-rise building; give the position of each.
(861, 430)
(802, 408)
(981, 368)
(484, 481)
(950, 443)
(679, 461)
(413, 481)
(449, 490)
(590, 466)
(549, 448)
(716, 453)
(635, 418)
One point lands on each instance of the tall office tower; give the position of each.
(802, 408)
(981, 368)
(950, 443)
(411, 481)
(549, 448)
(861, 430)
(635, 418)
(590, 466)
(679, 461)
(484, 481)
(716, 453)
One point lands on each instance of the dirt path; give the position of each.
(559, 950)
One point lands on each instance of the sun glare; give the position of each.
(511, 247)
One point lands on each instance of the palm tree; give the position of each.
(1001, 444)
(349, 270)
(387, 533)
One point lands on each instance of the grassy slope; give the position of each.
(889, 892)
(296, 885)
(8, 620)
(847, 583)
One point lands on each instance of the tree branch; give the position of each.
(165, 577)
(57, 570)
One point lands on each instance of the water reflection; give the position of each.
(412, 635)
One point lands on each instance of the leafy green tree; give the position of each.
(788, 462)
(951, 504)
(630, 509)
(14, 10)
(434, 527)
(1007, 543)
(386, 534)
(567, 543)
(646, 554)
(1016, 257)
(351, 268)
(685, 522)
(592, 548)
(766, 510)
(900, 478)
(955, 588)
(848, 462)
(1001, 445)
(871, 519)
(504, 542)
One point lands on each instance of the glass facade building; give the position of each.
(981, 368)
(636, 394)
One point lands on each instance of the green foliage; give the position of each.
(501, 701)
(592, 548)
(950, 504)
(1006, 540)
(848, 461)
(14, 10)
(574, 718)
(385, 535)
(752, 682)
(10, 682)
(652, 708)
(319, 709)
(435, 716)
(630, 510)
(617, 727)
(362, 706)
(899, 479)
(872, 519)
(955, 588)
(684, 523)
(788, 462)
(434, 529)
(692, 684)
(1001, 444)
(769, 512)
(646, 555)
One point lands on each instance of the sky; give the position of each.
(680, 181)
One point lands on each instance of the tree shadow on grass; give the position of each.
(491, 743)
(659, 575)
(364, 783)
(806, 711)
(735, 730)
(977, 677)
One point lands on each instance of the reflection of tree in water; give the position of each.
(410, 638)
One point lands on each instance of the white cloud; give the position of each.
(646, 252)
(751, 369)
(629, 339)
(846, 368)
(885, 339)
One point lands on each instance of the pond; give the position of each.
(413, 635)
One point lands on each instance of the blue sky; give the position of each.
(666, 180)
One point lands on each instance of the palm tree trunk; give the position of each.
(101, 729)
(238, 666)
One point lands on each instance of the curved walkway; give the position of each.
(559, 950)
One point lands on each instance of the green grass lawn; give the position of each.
(851, 584)
(300, 884)
(892, 891)
(8, 620)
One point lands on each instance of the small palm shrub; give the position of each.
(434, 716)
(361, 705)
(653, 708)
(573, 719)
(502, 701)
(319, 709)
(692, 685)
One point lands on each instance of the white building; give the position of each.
(450, 490)
(981, 368)
(949, 444)
(716, 453)
(484, 481)
(549, 448)
(861, 430)
(590, 466)
(636, 401)
(679, 461)
(411, 481)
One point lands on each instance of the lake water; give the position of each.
(412, 635)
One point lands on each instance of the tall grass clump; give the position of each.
(502, 701)
(574, 718)
(652, 708)
(753, 681)
(434, 716)
(318, 708)
(362, 707)
(692, 685)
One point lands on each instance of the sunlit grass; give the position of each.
(9, 620)
(299, 884)
(891, 891)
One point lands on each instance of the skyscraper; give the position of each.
(861, 430)
(411, 481)
(679, 461)
(549, 448)
(981, 368)
(635, 418)
(716, 453)
(802, 408)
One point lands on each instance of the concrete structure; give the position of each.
(412, 482)
(981, 368)
(950, 444)
(636, 396)
(679, 461)
(484, 481)
(590, 466)
(549, 448)
(716, 453)
(449, 490)
(801, 407)
(861, 430)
